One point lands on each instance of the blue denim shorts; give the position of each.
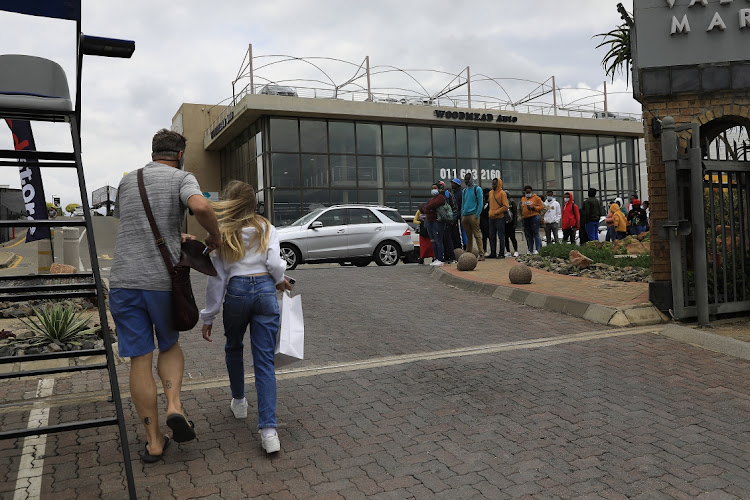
(137, 313)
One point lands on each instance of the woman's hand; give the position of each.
(186, 237)
(207, 332)
(283, 286)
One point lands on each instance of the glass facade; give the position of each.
(308, 163)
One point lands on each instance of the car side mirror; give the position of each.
(316, 225)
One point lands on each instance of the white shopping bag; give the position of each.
(290, 341)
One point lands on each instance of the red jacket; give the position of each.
(430, 208)
(571, 217)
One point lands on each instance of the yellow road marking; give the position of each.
(18, 260)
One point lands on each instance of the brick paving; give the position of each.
(631, 416)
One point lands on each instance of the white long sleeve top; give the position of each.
(553, 213)
(253, 262)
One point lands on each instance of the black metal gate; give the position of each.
(708, 200)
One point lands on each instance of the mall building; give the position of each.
(302, 152)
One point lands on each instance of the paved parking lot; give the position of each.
(413, 389)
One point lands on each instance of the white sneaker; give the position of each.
(239, 409)
(270, 443)
(535, 252)
(507, 254)
(515, 254)
(436, 263)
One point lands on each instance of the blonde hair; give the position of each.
(236, 211)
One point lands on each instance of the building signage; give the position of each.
(691, 32)
(475, 117)
(222, 124)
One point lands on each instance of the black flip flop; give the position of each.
(182, 429)
(148, 458)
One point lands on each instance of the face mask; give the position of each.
(434, 192)
(549, 198)
(528, 195)
(566, 199)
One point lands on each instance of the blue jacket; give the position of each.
(472, 201)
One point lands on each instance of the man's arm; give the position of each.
(206, 217)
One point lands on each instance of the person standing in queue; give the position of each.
(435, 227)
(249, 270)
(510, 227)
(471, 210)
(571, 219)
(498, 209)
(531, 207)
(448, 248)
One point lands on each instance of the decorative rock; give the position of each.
(57, 268)
(54, 348)
(520, 274)
(458, 252)
(579, 260)
(467, 262)
(636, 248)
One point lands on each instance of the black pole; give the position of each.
(79, 71)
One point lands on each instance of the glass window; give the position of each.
(588, 148)
(445, 168)
(489, 144)
(313, 136)
(469, 165)
(466, 140)
(396, 171)
(551, 147)
(532, 175)
(368, 139)
(571, 148)
(610, 180)
(490, 169)
(510, 145)
(285, 170)
(532, 145)
(362, 216)
(420, 173)
(341, 136)
(512, 179)
(284, 135)
(259, 143)
(420, 143)
(400, 201)
(332, 217)
(371, 196)
(607, 149)
(343, 171)
(392, 215)
(626, 150)
(553, 177)
(444, 141)
(314, 171)
(287, 206)
(368, 171)
(394, 140)
(261, 175)
(315, 198)
(343, 196)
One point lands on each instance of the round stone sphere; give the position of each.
(467, 262)
(520, 274)
(458, 252)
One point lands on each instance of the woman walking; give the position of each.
(249, 271)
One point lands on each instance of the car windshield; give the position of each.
(393, 215)
(307, 218)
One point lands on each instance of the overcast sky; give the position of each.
(190, 51)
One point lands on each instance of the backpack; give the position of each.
(444, 212)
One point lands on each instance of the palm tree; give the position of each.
(617, 59)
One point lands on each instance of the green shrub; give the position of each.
(59, 323)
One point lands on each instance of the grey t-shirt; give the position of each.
(138, 263)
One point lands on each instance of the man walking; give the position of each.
(471, 209)
(140, 286)
(552, 217)
(592, 210)
(498, 209)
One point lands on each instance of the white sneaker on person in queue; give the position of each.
(507, 254)
(436, 263)
(239, 408)
(515, 254)
(269, 440)
(535, 252)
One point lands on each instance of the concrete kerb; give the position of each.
(632, 315)
(707, 340)
(6, 258)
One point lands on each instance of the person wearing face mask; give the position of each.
(498, 208)
(434, 227)
(571, 219)
(448, 248)
(531, 207)
(471, 210)
(510, 226)
(592, 210)
(552, 216)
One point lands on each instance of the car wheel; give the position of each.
(290, 255)
(387, 254)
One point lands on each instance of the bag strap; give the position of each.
(150, 216)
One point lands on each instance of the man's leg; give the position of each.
(171, 366)
(143, 393)
(478, 237)
(494, 223)
(466, 224)
(548, 232)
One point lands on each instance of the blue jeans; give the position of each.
(497, 230)
(531, 231)
(436, 230)
(251, 300)
(592, 229)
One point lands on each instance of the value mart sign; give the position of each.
(686, 32)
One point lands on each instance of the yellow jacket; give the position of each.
(498, 202)
(621, 223)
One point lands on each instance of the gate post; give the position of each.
(700, 259)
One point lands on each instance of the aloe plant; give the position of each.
(617, 59)
(58, 323)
